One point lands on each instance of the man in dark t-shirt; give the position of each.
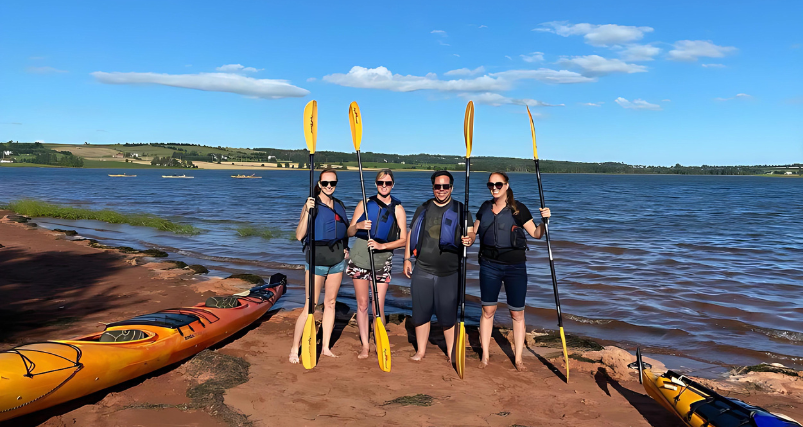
(436, 239)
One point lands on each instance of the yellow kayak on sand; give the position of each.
(699, 406)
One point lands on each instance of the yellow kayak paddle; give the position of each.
(309, 340)
(380, 334)
(460, 346)
(549, 246)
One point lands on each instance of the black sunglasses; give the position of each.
(498, 185)
(441, 186)
(384, 183)
(328, 183)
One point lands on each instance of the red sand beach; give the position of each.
(56, 288)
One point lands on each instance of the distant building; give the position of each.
(7, 153)
(788, 173)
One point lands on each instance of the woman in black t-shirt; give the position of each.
(501, 224)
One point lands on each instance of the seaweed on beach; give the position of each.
(38, 208)
(413, 400)
(250, 278)
(552, 340)
(198, 269)
(765, 367)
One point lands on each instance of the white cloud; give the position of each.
(382, 78)
(596, 35)
(439, 32)
(738, 96)
(456, 55)
(508, 57)
(483, 26)
(713, 65)
(36, 58)
(311, 79)
(637, 104)
(495, 100)
(545, 75)
(666, 100)
(214, 82)
(639, 52)
(592, 104)
(533, 57)
(443, 43)
(690, 50)
(595, 65)
(44, 70)
(465, 71)
(236, 68)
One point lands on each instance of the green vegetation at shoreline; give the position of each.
(169, 155)
(38, 208)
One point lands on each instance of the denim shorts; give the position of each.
(492, 274)
(323, 270)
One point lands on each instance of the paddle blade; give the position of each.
(311, 125)
(382, 345)
(355, 119)
(565, 352)
(460, 350)
(532, 131)
(309, 347)
(468, 128)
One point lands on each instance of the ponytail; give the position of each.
(511, 202)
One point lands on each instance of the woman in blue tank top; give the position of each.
(501, 223)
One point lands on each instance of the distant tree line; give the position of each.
(172, 162)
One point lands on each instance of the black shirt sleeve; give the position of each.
(524, 215)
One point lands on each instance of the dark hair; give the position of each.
(387, 172)
(317, 190)
(442, 173)
(509, 194)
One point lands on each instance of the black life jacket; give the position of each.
(331, 225)
(501, 230)
(449, 239)
(384, 228)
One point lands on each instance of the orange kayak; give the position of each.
(40, 375)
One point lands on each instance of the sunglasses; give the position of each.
(441, 186)
(328, 184)
(384, 183)
(498, 185)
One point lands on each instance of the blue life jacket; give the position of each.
(384, 228)
(501, 230)
(331, 225)
(449, 239)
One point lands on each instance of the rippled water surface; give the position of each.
(709, 268)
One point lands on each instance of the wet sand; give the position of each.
(56, 288)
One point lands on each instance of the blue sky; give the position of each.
(658, 83)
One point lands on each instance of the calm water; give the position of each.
(706, 268)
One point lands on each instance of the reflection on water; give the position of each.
(706, 267)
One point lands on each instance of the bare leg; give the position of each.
(330, 297)
(302, 317)
(421, 338)
(449, 335)
(361, 293)
(382, 290)
(486, 330)
(519, 330)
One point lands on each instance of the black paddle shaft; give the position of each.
(548, 244)
(370, 251)
(311, 237)
(465, 249)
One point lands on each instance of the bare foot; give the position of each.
(328, 352)
(363, 354)
(520, 366)
(483, 364)
(294, 357)
(417, 357)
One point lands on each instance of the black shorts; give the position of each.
(434, 295)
